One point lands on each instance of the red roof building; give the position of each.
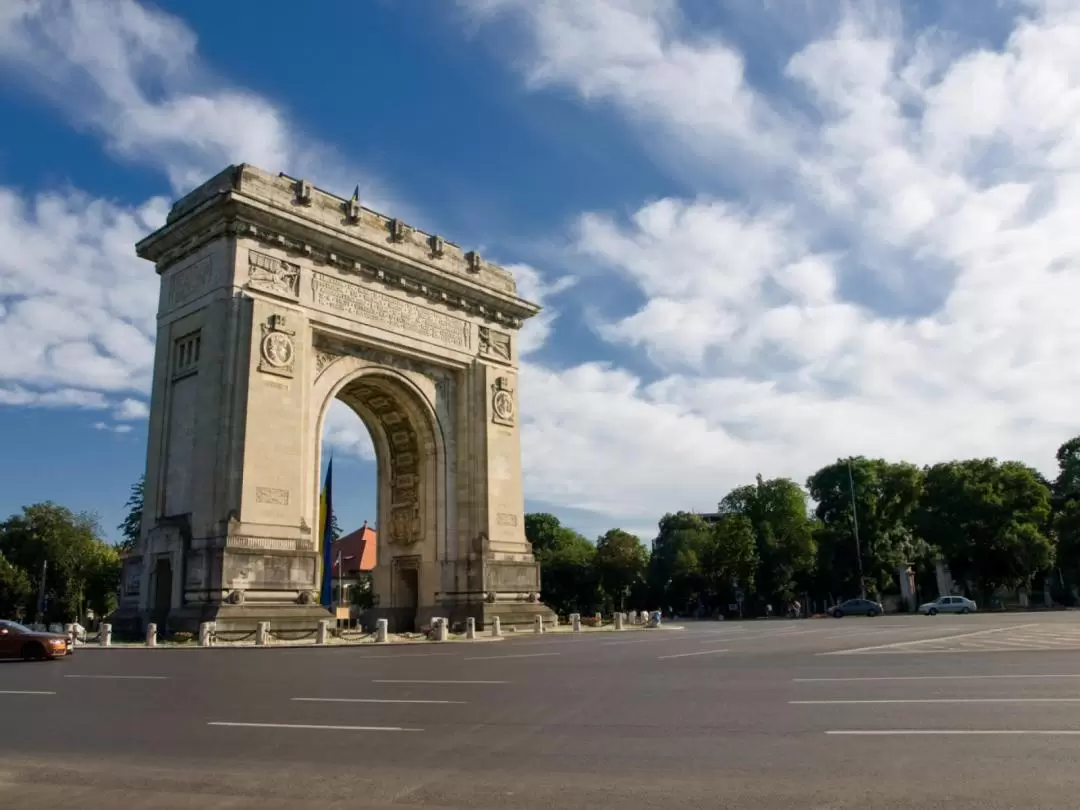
(358, 550)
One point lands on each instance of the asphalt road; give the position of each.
(959, 712)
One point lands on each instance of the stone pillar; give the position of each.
(496, 626)
(470, 628)
(69, 630)
(262, 633)
(442, 629)
(381, 630)
(598, 619)
(538, 624)
(206, 634)
(323, 631)
(575, 622)
(619, 622)
(106, 635)
(151, 635)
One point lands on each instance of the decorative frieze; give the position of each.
(272, 275)
(395, 314)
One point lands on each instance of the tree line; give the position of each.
(997, 525)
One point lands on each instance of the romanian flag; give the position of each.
(326, 522)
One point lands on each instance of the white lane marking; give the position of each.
(927, 678)
(926, 732)
(403, 656)
(369, 700)
(930, 700)
(900, 644)
(640, 641)
(685, 655)
(484, 683)
(522, 655)
(121, 677)
(312, 727)
(23, 692)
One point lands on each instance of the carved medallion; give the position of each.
(278, 352)
(278, 349)
(502, 402)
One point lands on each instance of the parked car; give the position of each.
(17, 641)
(857, 607)
(948, 604)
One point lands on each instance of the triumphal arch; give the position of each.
(277, 298)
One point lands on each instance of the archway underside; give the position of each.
(400, 446)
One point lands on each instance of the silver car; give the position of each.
(948, 604)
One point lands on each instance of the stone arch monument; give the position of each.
(277, 298)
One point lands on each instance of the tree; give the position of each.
(886, 495)
(730, 559)
(1067, 533)
(989, 520)
(16, 592)
(568, 577)
(1067, 484)
(335, 527)
(783, 534)
(621, 563)
(676, 575)
(50, 540)
(131, 528)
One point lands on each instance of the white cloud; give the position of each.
(77, 308)
(344, 431)
(112, 428)
(133, 75)
(59, 398)
(911, 300)
(131, 410)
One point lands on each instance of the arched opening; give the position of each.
(397, 477)
(354, 515)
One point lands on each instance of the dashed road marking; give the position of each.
(309, 727)
(372, 700)
(522, 655)
(687, 655)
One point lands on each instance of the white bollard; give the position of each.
(470, 628)
(106, 635)
(620, 622)
(538, 624)
(262, 631)
(206, 634)
(69, 631)
(555, 621)
(151, 635)
(599, 619)
(631, 617)
(575, 622)
(381, 626)
(324, 631)
(496, 626)
(442, 630)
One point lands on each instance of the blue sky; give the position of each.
(766, 235)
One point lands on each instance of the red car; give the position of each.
(17, 641)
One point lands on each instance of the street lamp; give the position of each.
(340, 575)
(855, 529)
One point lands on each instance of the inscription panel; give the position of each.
(506, 519)
(278, 497)
(190, 282)
(512, 577)
(360, 302)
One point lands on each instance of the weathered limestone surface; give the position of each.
(277, 298)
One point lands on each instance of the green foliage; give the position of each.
(81, 570)
(131, 528)
(989, 521)
(16, 591)
(621, 563)
(569, 578)
(784, 535)
(886, 496)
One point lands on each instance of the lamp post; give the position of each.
(340, 575)
(855, 530)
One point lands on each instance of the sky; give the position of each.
(766, 235)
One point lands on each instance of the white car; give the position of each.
(948, 604)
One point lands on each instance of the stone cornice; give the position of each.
(246, 203)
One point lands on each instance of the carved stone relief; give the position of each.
(502, 402)
(271, 495)
(272, 275)
(277, 352)
(494, 344)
